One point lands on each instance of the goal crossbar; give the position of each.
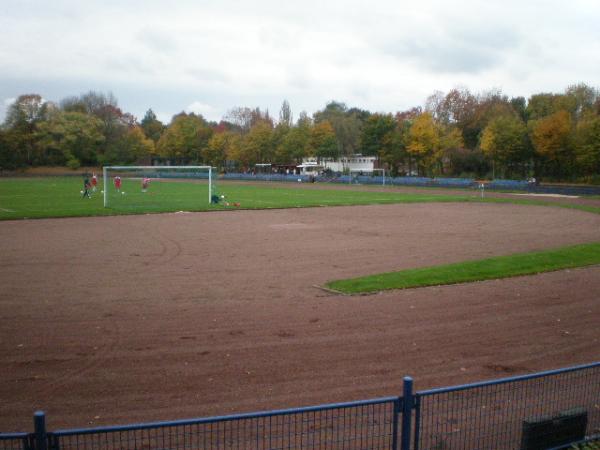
(105, 170)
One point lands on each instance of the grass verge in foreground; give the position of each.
(484, 269)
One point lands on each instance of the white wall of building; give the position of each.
(357, 162)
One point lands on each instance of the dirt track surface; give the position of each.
(124, 319)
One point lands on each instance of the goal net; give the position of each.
(158, 188)
(263, 171)
(371, 176)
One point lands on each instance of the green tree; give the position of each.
(583, 97)
(381, 137)
(304, 120)
(346, 125)
(71, 138)
(587, 145)
(468, 163)
(282, 129)
(377, 134)
(132, 146)
(257, 146)
(504, 141)
(153, 128)
(185, 139)
(519, 105)
(294, 146)
(285, 115)
(22, 119)
(10, 157)
(545, 104)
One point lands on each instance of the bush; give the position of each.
(73, 163)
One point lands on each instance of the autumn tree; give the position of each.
(323, 143)
(490, 105)
(424, 142)
(551, 138)
(215, 152)
(222, 147)
(244, 118)
(456, 107)
(404, 121)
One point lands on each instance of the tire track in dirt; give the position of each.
(170, 250)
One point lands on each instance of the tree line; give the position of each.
(554, 136)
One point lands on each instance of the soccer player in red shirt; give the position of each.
(118, 184)
(94, 182)
(145, 183)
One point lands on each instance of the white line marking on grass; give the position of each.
(551, 195)
(7, 210)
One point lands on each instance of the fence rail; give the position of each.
(543, 410)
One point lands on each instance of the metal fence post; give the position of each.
(407, 405)
(39, 425)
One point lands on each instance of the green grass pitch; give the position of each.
(46, 197)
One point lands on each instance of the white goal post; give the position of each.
(358, 171)
(106, 181)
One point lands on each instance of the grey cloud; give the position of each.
(465, 50)
(157, 41)
(130, 63)
(208, 75)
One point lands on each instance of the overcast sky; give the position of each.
(211, 56)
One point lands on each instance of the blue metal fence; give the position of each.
(463, 183)
(15, 441)
(496, 414)
(371, 424)
(537, 411)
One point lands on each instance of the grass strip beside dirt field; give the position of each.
(484, 269)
